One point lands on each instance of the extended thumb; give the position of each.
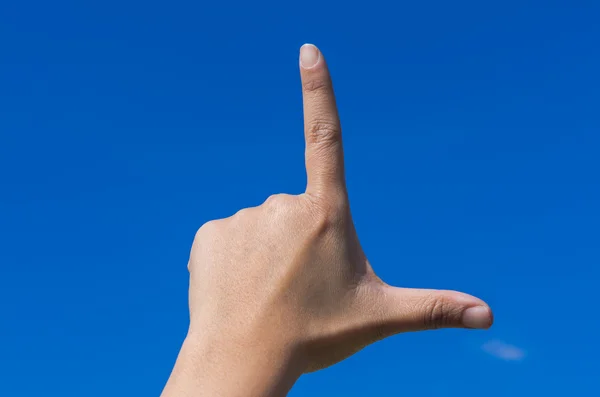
(406, 309)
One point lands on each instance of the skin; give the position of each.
(285, 288)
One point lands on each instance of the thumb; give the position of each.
(405, 309)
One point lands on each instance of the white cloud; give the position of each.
(503, 351)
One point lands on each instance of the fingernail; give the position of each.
(478, 317)
(309, 56)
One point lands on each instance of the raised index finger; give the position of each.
(322, 130)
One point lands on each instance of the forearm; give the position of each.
(218, 367)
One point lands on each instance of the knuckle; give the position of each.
(323, 222)
(206, 229)
(244, 215)
(240, 214)
(282, 205)
(276, 200)
(322, 131)
(317, 84)
(438, 312)
(332, 206)
(328, 214)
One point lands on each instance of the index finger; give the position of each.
(322, 129)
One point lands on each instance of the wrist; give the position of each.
(223, 365)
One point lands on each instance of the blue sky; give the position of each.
(471, 135)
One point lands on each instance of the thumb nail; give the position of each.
(478, 317)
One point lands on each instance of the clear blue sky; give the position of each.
(471, 135)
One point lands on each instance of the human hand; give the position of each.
(287, 283)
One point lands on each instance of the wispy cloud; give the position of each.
(503, 350)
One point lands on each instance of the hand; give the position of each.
(288, 281)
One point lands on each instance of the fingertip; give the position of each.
(478, 317)
(310, 56)
(477, 314)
